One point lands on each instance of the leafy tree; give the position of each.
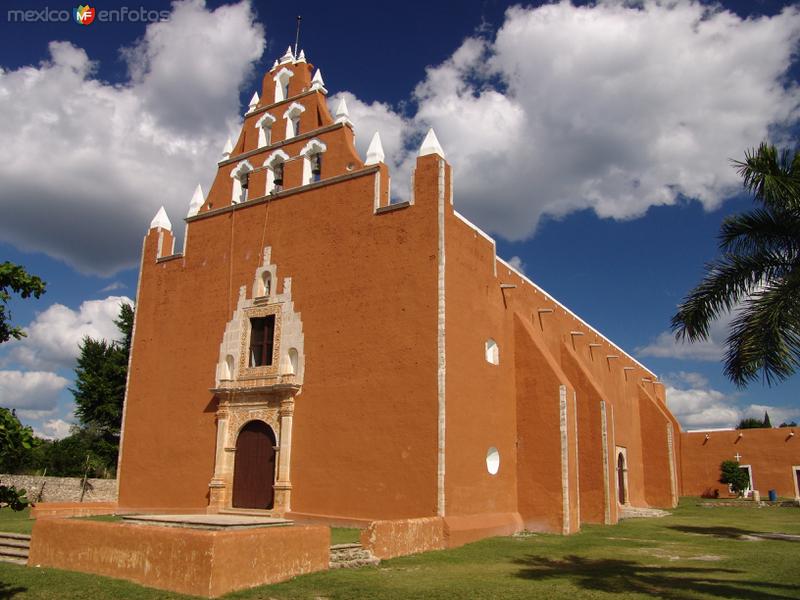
(85, 449)
(15, 279)
(759, 270)
(750, 423)
(99, 393)
(15, 441)
(734, 476)
(101, 376)
(789, 424)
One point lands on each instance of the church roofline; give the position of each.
(303, 136)
(371, 170)
(548, 295)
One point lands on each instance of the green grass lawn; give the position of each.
(698, 552)
(15, 522)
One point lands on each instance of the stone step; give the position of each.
(14, 536)
(14, 552)
(14, 548)
(351, 556)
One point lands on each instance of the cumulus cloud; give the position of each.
(30, 390)
(84, 174)
(53, 429)
(698, 406)
(516, 262)
(665, 345)
(610, 106)
(55, 334)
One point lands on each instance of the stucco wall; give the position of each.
(63, 489)
(771, 454)
(205, 563)
(387, 539)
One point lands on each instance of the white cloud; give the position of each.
(114, 286)
(31, 390)
(611, 106)
(712, 349)
(99, 159)
(55, 334)
(516, 262)
(53, 429)
(698, 406)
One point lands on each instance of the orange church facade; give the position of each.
(319, 353)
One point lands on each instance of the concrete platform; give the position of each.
(208, 522)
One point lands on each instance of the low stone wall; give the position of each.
(387, 539)
(67, 510)
(188, 561)
(63, 489)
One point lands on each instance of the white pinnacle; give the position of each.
(226, 151)
(301, 57)
(317, 82)
(375, 150)
(275, 64)
(430, 145)
(161, 220)
(253, 102)
(288, 57)
(341, 115)
(196, 202)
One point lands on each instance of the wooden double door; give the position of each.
(254, 467)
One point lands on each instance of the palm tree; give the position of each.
(757, 276)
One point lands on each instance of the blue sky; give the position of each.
(591, 140)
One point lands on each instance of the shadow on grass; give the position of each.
(625, 577)
(734, 533)
(7, 591)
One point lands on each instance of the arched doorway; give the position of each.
(254, 467)
(621, 478)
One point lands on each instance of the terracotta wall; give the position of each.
(388, 539)
(204, 563)
(773, 454)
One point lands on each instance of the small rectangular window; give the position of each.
(262, 334)
(316, 167)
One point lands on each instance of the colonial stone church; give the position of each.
(318, 352)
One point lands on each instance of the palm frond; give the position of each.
(728, 280)
(772, 176)
(765, 335)
(762, 229)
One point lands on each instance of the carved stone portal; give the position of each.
(264, 393)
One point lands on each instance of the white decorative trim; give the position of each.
(375, 153)
(442, 360)
(262, 126)
(606, 483)
(313, 147)
(577, 460)
(161, 220)
(430, 145)
(562, 403)
(282, 78)
(673, 481)
(294, 108)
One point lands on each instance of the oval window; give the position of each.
(492, 460)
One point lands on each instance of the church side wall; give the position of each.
(771, 453)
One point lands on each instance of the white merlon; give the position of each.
(301, 58)
(196, 202)
(288, 57)
(430, 145)
(342, 115)
(253, 102)
(375, 150)
(161, 220)
(226, 151)
(317, 83)
(275, 64)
